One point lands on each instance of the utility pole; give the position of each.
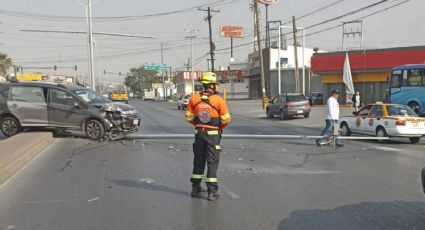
(260, 50)
(297, 74)
(163, 73)
(191, 62)
(267, 27)
(90, 45)
(208, 64)
(212, 45)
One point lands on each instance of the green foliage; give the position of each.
(140, 79)
(5, 64)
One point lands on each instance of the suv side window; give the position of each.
(4, 93)
(61, 97)
(27, 94)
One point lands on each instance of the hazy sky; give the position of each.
(403, 25)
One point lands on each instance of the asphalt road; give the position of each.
(290, 184)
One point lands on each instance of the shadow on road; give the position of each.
(150, 186)
(365, 216)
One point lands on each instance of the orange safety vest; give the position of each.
(207, 112)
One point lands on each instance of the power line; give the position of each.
(330, 20)
(48, 17)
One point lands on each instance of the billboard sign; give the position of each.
(269, 2)
(232, 31)
(229, 74)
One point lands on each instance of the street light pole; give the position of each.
(90, 45)
(191, 62)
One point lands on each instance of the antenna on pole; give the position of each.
(358, 30)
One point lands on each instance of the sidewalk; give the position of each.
(18, 150)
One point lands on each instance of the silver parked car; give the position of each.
(287, 105)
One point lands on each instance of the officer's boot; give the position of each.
(213, 196)
(197, 190)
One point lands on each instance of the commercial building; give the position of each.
(232, 81)
(289, 84)
(370, 69)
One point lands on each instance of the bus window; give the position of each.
(396, 79)
(423, 76)
(414, 77)
(404, 77)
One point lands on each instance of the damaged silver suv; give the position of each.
(64, 107)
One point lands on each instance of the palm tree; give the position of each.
(5, 63)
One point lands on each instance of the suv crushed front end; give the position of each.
(123, 119)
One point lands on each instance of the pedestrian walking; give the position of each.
(332, 117)
(208, 112)
(357, 101)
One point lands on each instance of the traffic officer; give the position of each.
(208, 112)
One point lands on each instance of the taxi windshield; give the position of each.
(91, 97)
(400, 110)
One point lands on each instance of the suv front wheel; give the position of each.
(94, 129)
(10, 126)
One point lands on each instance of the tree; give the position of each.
(5, 63)
(140, 79)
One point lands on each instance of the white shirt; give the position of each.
(357, 100)
(332, 109)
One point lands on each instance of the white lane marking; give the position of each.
(231, 193)
(147, 180)
(273, 170)
(61, 201)
(94, 199)
(386, 149)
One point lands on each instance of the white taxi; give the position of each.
(385, 120)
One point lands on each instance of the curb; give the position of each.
(19, 150)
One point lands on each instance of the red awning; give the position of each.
(368, 59)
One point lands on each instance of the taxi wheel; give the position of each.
(380, 132)
(345, 130)
(414, 140)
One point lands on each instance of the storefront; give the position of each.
(370, 69)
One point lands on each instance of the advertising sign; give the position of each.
(269, 2)
(229, 74)
(232, 31)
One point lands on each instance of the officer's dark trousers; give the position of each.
(206, 151)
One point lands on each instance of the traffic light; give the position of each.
(55, 67)
(119, 74)
(104, 72)
(75, 67)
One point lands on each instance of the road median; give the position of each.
(18, 150)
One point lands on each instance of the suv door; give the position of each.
(28, 104)
(274, 106)
(64, 109)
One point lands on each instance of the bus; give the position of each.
(407, 86)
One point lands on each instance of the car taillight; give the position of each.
(400, 123)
